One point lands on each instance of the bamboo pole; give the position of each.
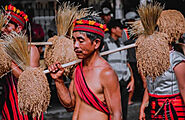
(41, 43)
(102, 54)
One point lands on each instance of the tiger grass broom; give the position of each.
(33, 88)
(152, 50)
(5, 62)
(62, 49)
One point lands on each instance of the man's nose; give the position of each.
(76, 44)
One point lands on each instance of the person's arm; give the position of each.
(180, 75)
(34, 62)
(16, 70)
(130, 85)
(143, 105)
(34, 56)
(111, 87)
(65, 95)
(145, 99)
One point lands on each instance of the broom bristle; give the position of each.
(65, 16)
(17, 48)
(149, 15)
(3, 19)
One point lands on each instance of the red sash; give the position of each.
(10, 109)
(167, 107)
(86, 94)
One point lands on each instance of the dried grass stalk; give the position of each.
(33, 92)
(17, 48)
(136, 28)
(172, 22)
(5, 61)
(3, 19)
(152, 50)
(149, 15)
(65, 16)
(48, 53)
(152, 54)
(61, 51)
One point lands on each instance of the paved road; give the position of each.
(59, 113)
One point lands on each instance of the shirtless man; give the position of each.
(94, 92)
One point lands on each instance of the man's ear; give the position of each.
(113, 30)
(18, 29)
(97, 42)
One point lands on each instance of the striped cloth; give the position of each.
(10, 109)
(167, 107)
(86, 94)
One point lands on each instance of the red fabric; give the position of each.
(126, 32)
(86, 94)
(10, 109)
(89, 28)
(173, 107)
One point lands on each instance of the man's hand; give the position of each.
(130, 86)
(142, 114)
(56, 71)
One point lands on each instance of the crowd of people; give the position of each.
(101, 86)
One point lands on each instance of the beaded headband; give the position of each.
(16, 15)
(89, 26)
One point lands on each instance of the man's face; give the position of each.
(8, 28)
(83, 46)
(106, 18)
(117, 31)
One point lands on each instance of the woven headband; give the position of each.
(89, 26)
(16, 15)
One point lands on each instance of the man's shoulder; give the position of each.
(108, 74)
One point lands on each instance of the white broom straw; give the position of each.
(102, 54)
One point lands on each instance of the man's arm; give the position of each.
(65, 95)
(130, 85)
(111, 87)
(34, 56)
(180, 75)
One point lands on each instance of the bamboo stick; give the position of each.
(102, 54)
(41, 43)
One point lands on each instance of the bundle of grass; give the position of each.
(5, 62)
(172, 22)
(33, 88)
(62, 49)
(152, 50)
(3, 19)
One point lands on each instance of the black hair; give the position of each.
(12, 22)
(113, 23)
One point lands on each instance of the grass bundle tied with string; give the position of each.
(152, 50)
(33, 88)
(172, 22)
(62, 50)
(5, 61)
